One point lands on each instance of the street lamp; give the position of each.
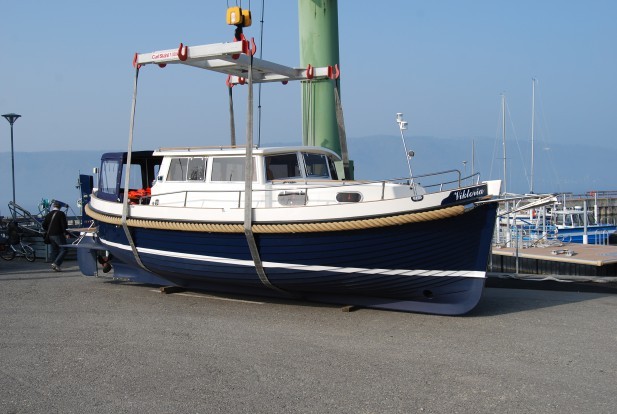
(12, 118)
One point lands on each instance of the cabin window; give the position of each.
(136, 179)
(559, 220)
(316, 166)
(143, 168)
(333, 172)
(349, 197)
(108, 181)
(281, 167)
(229, 169)
(187, 169)
(155, 176)
(177, 169)
(196, 169)
(292, 198)
(591, 219)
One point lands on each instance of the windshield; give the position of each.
(282, 167)
(316, 166)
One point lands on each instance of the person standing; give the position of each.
(55, 224)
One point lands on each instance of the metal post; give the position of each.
(533, 121)
(516, 248)
(585, 234)
(596, 212)
(12, 117)
(319, 46)
(503, 133)
(12, 164)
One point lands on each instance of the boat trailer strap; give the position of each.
(259, 268)
(125, 201)
(232, 121)
(248, 189)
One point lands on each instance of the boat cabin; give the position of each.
(144, 169)
(227, 165)
(572, 218)
(201, 177)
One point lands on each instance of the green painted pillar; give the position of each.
(318, 23)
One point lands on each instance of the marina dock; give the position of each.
(571, 259)
(75, 344)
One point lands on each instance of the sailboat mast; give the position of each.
(473, 157)
(503, 134)
(533, 119)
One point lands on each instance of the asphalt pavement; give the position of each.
(75, 344)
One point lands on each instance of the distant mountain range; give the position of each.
(561, 168)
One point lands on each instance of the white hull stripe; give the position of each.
(306, 268)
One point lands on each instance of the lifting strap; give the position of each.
(248, 189)
(232, 122)
(341, 130)
(127, 179)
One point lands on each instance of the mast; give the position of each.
(473, 157)
(533, 118)
(503, 134)
(505, 190)
(319, 46)
(322, 114)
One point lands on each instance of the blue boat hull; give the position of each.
(435, 267)
(595, 234)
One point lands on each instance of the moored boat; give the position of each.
(575, 225)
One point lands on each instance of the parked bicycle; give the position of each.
(10, 251)
(13, 246)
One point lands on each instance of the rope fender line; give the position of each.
(359, 224)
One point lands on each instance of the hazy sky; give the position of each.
(66, 68)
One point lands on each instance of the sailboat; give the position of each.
(522, 220)
(544, 219)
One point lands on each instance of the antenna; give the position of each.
(473, 158)
(402, 125)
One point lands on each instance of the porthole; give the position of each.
(349, 197)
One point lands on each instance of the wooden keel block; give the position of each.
(171, 289)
